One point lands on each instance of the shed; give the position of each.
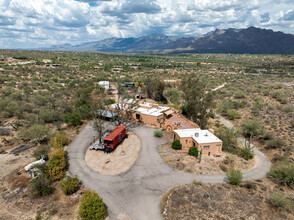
(115, 137)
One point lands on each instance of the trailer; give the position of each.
(114, 138)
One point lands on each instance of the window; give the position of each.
(194, 144)
(138, 116)
(206, 147)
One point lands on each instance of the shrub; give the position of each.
(240, 95)
(35, 132)
(288, 108)
(229, 138)
(74, 119)
(234, 176)
(59, 140)
(280, 201)
(246, 153)
(276, 143)
(92, 206)
(233, 114)
(42, 150)
(40, 186)
(252, 127)
(193, 151)
(56, 165)
(283, 172)
(70, 185)
(176, 145)
(158, 133)
(223, 167)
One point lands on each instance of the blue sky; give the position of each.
(41, 23)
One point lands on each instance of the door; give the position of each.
(208, 153)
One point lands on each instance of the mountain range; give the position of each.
(250, 40)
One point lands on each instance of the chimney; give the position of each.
(196, 134)
(211, 131)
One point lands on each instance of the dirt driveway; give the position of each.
(118, 161)
(136, 193)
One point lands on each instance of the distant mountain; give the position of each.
(250, 40)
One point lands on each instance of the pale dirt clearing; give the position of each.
(208, 165)
(119, 161)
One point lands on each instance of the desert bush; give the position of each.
(70, 185)
(223, 167)
(35, 132)
(56, 165)
(246, 153)
(92, 206)
(229, 138)
(49, 116)
(193, 151)
(233, 114)
(176, 145)
(240, 95)
(40, 186)
(73, 119)
(42, 150)
(252, 127)
(59, 140)
(158, 133)
(234, 176)
(283, 172)
(288, 108)
(276, 143)
(280, 201)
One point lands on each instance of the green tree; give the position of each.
(229, 137)
(198, 100)
(92, 206)
(252, 128)
(35, 132)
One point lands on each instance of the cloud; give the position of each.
(289, 16)
(35, 23)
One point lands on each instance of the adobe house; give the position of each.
(202, 139)
(152, 114)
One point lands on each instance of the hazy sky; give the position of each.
(37, 23)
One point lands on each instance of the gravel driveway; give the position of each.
(137, 192)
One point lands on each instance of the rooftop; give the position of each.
(153, 110)
(200, 136)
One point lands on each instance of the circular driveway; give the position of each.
(137, 192)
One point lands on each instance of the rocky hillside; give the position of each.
(250, 40)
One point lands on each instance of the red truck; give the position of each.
(114, 138)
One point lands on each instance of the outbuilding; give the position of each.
(204, 140)
(114, 138)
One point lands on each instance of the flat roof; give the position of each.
(200, 136)
(150, 110)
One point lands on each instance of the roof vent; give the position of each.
(196, 134)
(206, 135)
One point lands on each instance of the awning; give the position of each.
(169, 112)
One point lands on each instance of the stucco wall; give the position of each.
(214, 148)
(149, 119)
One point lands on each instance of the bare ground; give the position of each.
(16, 201)
(226, 202)
(208, 165)
(118, 161)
